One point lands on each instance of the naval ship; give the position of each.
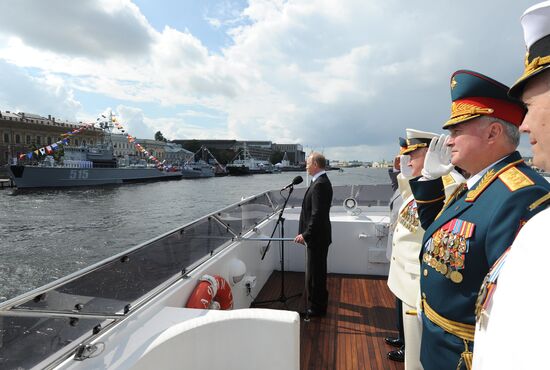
(85, 166)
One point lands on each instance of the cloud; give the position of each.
(88, 28)
(19, 91)
(329, 74)
(135, 121)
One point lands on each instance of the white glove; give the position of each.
(438, 158)
(406, 171)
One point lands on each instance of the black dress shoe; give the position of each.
(394, 342)
(397, 355)
(313, 313)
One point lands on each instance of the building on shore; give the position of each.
(23, 132)
(258, 149)
(294, 152)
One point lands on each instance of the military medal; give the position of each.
(456, 277)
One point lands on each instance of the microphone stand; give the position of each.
(281, 220)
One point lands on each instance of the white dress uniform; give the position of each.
(404, 275)
(515, 314)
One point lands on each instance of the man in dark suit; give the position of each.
(315, 230)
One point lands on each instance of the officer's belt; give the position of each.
(463, 331)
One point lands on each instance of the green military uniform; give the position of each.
(467, 234)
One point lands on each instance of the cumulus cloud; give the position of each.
(329, 74)
(22, 92)
(89, 28)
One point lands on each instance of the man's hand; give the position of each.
(299, 239)
(397, 163)
(406, 171)
(438, 158)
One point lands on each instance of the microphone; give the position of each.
(297, 180)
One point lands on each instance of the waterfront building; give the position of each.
(122, 148)
(294, 152)
(258, 149)
(23, 132)
(176, 154)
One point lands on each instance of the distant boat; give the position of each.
(96, 167)
(285, 166)
(246, 165)
(207, 166)
(197, 170)
(87, 166)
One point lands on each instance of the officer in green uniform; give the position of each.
(467, 233)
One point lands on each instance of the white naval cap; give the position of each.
(536, 23)
(415, 139)
(536, 32)
(417, 134)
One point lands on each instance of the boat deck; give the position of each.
(361, 313)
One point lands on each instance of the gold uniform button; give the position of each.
(425, 272)
(423, 295)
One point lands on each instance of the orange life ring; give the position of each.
(209, 289)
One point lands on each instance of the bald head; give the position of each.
(316, 162)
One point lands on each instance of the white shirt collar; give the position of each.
(316, 176)
(475, 178)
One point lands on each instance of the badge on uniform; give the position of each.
(445, 251)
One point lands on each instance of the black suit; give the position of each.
(316, 230)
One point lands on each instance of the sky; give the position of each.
(344, 77)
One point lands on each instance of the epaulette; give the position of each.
(544, 200)
(448, 180)
(513, 178)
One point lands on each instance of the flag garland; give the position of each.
(138, 146)
(50, 148)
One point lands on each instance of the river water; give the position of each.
(48, 234)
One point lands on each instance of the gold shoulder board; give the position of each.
(539, 202)
(448, 180)
(514, 179)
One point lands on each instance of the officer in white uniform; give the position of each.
(509, 311)
(404, 275)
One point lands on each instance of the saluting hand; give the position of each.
(438, 158)
(299, 239)
(406, 170)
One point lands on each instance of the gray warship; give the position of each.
(86, 166)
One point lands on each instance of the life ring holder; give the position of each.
(212, 292)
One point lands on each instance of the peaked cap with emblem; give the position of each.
(536, 32)
(415, 139)
(474, 95)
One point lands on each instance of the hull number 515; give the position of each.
(78, 174)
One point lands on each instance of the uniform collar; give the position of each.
(316, 176)
(475, 178)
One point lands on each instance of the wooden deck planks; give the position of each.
(361, 313)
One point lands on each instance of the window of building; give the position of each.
(38, 140)
(28, 141)
(84, 142)
(76, 142)
(17, 139)
(6, 137)
(49, 140)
